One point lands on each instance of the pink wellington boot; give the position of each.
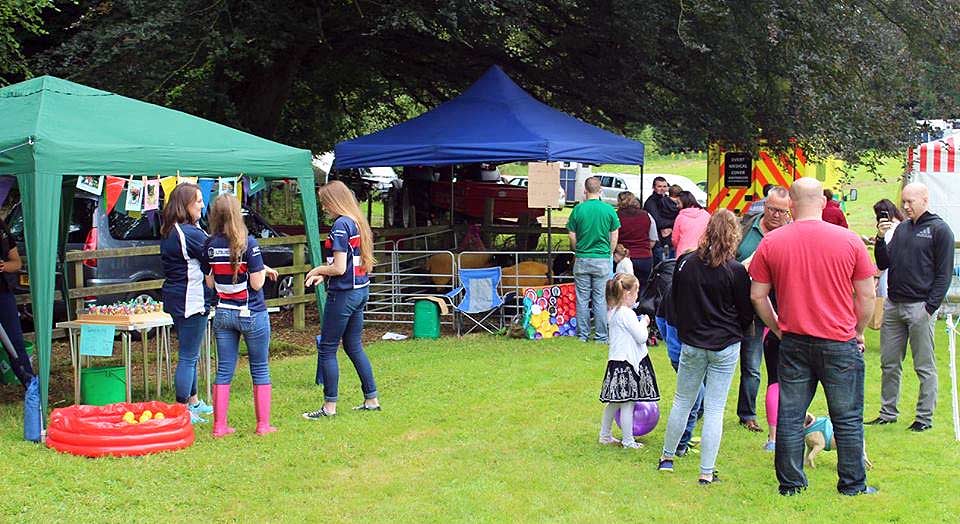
(261, 405)
(221, 402)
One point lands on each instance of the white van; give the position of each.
(613, 184)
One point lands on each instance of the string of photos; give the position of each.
(137, 195)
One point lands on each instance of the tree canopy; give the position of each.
(846, 78)
(17, 17)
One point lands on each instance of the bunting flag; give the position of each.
(245, 184)
(206, 187)
(153, 216)
(186, 180)
(121, 204)
(114, 189)
(256, 185)
(167, 183)
(6, 182)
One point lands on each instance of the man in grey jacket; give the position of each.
(920, 262)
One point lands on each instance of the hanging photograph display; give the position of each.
(227, 186)
(90, 183)
(134, 195)
(151, 195)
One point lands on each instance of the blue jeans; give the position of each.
(805, 361)
(343, 320)
(228, 325)
(641, 270)
(189, 336)
(590, 276)
(10, 320)
(669, 334)
(751, 354)
(697, 365)
(657, 253)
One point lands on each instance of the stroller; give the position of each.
(655, 293)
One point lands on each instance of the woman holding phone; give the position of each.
(888, 218)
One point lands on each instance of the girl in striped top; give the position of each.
(234, 268)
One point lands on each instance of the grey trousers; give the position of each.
(903, 322)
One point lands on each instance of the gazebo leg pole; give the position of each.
(549, 248)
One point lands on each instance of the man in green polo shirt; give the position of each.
(594, 231)
(776, 213)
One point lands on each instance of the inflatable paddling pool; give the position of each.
(97, 431)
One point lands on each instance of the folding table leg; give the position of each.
(159, 363)
(75, 360)
(125, 344)
(146, 364)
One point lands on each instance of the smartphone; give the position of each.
(884, 215)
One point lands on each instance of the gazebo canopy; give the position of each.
(492, 121)
(54, 128)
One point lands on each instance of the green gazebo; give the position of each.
(54, 129)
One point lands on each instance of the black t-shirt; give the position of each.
(710, 306)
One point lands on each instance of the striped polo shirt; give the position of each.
(345, 237)
(235, 295)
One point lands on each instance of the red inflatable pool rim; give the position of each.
(97, 431)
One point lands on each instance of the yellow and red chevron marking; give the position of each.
(769, 168)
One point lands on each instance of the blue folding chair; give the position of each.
(481, 300)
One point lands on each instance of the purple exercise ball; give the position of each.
(645, 417)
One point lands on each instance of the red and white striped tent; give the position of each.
(938, 156)
(937, 165)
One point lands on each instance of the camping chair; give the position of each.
(481, 300)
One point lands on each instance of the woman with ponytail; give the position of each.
(234, 268)
(346, 272)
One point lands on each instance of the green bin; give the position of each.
(6, 372)
(102, 386)
(426, 319)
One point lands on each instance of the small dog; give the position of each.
(818, 436)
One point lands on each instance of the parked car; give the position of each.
(380, 178)
(90, 228)
(613, 184)
(520, 181)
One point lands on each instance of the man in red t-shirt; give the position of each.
(823, 277)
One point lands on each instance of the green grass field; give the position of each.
(473, 430)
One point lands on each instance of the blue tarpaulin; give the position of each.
(493, 121)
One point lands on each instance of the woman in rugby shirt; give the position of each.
(181, 250)
(235, 269)
(351, 245)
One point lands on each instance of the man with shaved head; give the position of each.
(823, 277)
(594, 229)
(920, 262)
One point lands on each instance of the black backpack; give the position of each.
(656, 288)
